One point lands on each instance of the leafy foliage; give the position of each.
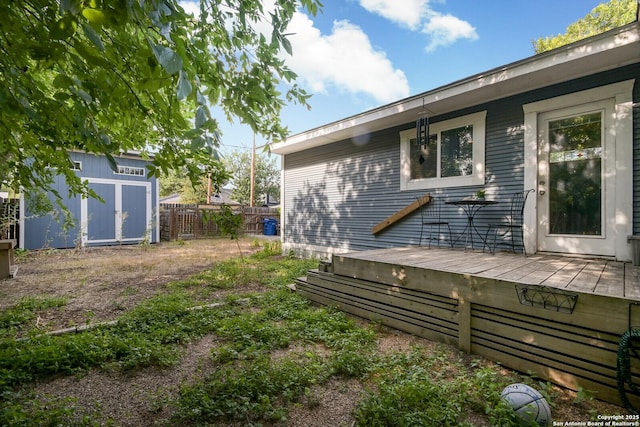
(229, 223)
(23, 410)
(256, 391)
(603, 17)
(119, 76)
(266, 177)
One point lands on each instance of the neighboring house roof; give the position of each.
(609, 50)
(224, 196)
(174, 198)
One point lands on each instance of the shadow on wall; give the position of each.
(338, 207)
(309, 217)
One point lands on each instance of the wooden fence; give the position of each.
(197, 221)
(9, 219)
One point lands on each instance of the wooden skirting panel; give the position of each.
(567, 355)
(578, 351)
(426, 315)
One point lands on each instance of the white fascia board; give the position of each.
(615, 48)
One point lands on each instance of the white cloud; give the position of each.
(192, 7)
(344, 60)
(404, 12)
(442, 30)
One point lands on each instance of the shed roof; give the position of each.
(602, 52)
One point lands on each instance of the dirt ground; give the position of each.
(101, 283)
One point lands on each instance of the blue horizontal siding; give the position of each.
(335, 194)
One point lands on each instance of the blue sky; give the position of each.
(360, 54)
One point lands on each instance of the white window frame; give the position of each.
(129, 170)
(478, 121)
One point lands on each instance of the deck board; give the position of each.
(631, 281)
(602, 277)
(506, 265)
(527, 273)
(587, 279)
(565, 274)
(611, 280)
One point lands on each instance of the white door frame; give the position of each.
(619, 127)
(84, 210)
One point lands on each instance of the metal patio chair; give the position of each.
(512, 224)
(432, 217)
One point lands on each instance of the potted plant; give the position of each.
(480, 194)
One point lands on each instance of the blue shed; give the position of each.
(127, 215)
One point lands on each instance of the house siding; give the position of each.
(336, 193)
(47, 231)
(130, 192)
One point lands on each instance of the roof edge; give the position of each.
(434, 101)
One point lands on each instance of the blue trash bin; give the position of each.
(269, 226)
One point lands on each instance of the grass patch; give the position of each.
(423, 388)
(25, 411)
(15, 319)
(274, 348)
(257, 391)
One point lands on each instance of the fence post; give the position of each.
(197, 222)
(173, 224)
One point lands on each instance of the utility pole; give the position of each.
(253, 171)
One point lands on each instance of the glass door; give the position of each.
(572, 183)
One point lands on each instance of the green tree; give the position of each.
(172, 183)
(116, 76)
(193, 194)
(266, 181)
(177, 182)
(603, 17)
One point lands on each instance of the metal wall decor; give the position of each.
(547, 298)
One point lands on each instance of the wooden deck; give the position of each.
(558, 317)
(597, 276)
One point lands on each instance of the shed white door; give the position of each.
(125, 214)
(576, 178)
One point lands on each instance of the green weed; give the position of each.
(270, 248)
(421, 388)
(257, 391)
(255, 380)
(24, 311)
(24, 411)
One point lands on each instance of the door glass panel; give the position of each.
(575, 175)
